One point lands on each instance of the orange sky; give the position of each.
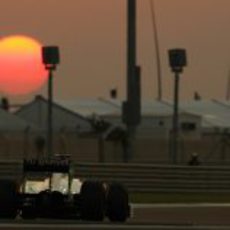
(91, 36)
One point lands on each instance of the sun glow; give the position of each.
(21, 68)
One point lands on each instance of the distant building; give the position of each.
(63, 119)
(69, 128)
(201, 124)
(92, 129)
(14, 135)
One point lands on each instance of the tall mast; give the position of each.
(157, 50)
(228, 87)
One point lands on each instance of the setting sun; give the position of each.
(21, 68)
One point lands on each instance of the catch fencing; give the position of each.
(144, 177)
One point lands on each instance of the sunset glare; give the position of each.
(21, 68)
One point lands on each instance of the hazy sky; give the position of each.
(91, 35)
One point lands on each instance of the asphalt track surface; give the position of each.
(182, 214)
(144, 216)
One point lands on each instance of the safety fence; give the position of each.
(144, 177)
(159, 178)
(11, 169)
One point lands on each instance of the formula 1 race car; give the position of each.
(49, 190)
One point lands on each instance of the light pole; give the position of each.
(177, 60)
(50, 58)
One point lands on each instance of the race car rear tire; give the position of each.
(43, 203)
(92, 201)
(8, 199)
(118, 208)
(50, 204)
(57, 205)
(28, 209)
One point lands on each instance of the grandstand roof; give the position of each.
(89, 107)
(63, 118)
(214, 113)
(11, 123)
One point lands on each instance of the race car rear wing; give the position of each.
(51, 166)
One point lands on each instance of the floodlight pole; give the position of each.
(50, 58)
(175, 128)
(177, 60)
(50, 113)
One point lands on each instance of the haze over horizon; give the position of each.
(91, 35)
